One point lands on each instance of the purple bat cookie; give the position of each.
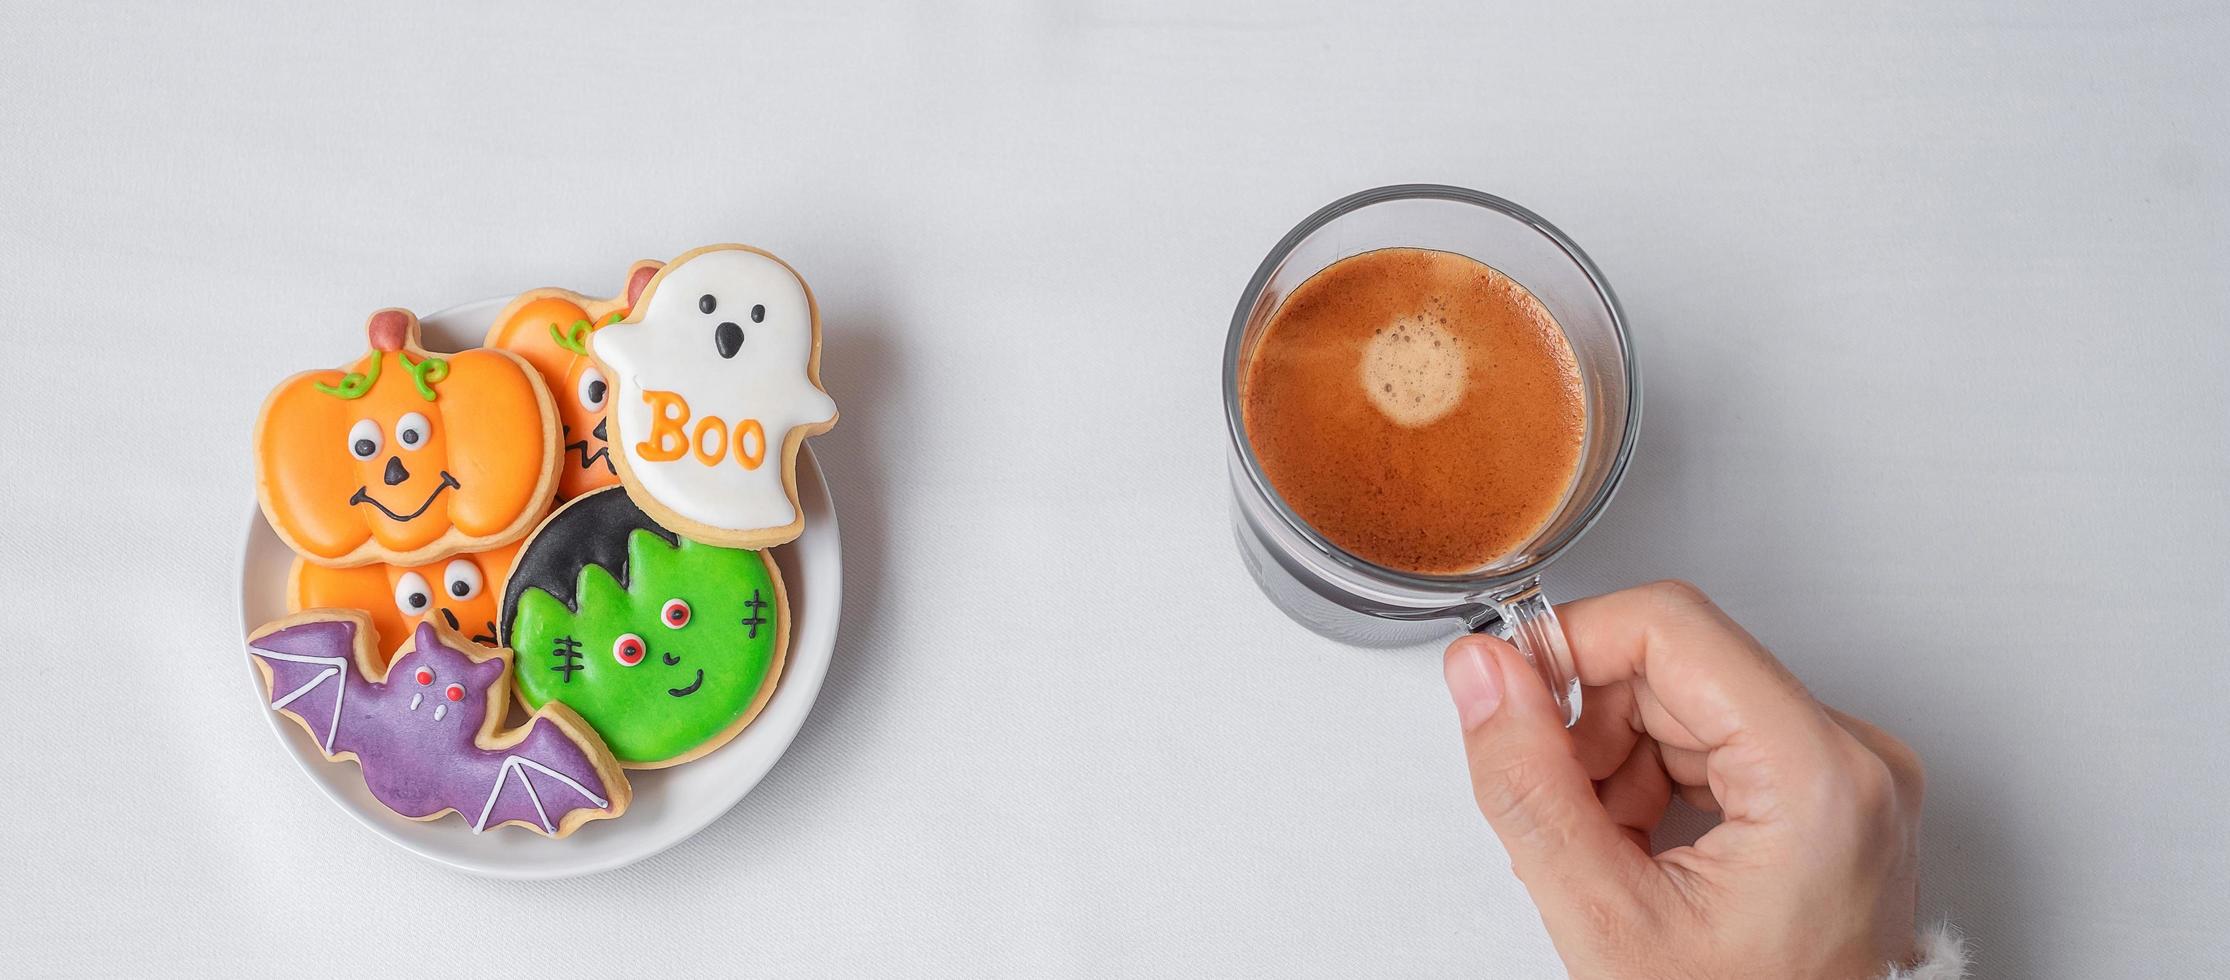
(425, 730)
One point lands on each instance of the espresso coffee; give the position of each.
(1418, 408)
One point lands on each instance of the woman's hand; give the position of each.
(1810, 872)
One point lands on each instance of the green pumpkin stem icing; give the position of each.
(353, 384)
(573, 338)
(425, 374)
(692, 684)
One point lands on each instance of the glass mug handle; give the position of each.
(1529, 623)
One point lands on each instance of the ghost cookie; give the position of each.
(716, 382)
(406, 456)
(669, 646)
(550, 329)
(459, 592)
(428, 728)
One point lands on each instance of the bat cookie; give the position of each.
(426, 729)
(716, 379)
(669, 646)
(406, 456)
(550, 328)
(459, 591)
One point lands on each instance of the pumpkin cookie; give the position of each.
(459, 592)
(550, 328)
(405, 456)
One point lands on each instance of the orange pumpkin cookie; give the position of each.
(550, 328)
(405, 456)
(459, 592)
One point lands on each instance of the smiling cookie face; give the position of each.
(406, 456)
(666, 645)
(712, 375)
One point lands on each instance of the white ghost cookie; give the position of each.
(716, 381)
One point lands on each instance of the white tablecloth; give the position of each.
(1930, 299)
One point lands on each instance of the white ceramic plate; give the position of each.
(670, 804)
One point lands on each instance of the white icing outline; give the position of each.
(334, 667)
(517, 763)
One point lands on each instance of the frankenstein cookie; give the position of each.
(668, 646)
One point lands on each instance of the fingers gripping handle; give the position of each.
(1529, 622)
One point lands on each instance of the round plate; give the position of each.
(670, 804)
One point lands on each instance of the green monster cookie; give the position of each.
(667, 646)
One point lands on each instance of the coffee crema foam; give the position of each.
(1418, 408)
(1415, 370)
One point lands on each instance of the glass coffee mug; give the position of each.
(1352, 600)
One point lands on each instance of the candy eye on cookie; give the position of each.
(675, 614)
(364, 439)
(628, 649)
(412, 430)
(592, 390)
(462, 579)
(412, 595)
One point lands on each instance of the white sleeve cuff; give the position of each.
(1943, 956)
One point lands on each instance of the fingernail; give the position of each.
(1474, 683)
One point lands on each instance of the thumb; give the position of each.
(1562, 844)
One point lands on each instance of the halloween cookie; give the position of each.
(406, 456)
(459, 592)
(716, 382)
(669, 646)
(550, 328)
(427, 729)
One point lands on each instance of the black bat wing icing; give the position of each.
(542, 779)
(312, 669)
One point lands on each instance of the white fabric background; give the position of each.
(1931, 301)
